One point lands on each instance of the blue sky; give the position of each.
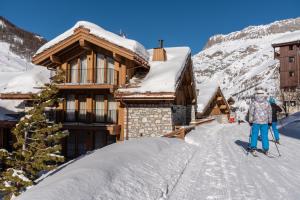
(179, 23)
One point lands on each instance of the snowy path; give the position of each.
(220, 169)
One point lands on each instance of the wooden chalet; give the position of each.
(212, 103)
(286, 50)
(97, 65)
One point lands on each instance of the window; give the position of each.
(291, 73)
(291, 47)
(100, 65)
(74, 71)
(291, 59)
(110, 71)
(70, 108)
(82, 108)
(83, 69)
(99, 108)
(112, 110)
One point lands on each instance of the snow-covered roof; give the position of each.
(145, 168)
(163, 75)
(206, 91)
(288, 37)
(98, 31)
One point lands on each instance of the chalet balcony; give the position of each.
(87, 117)
(97, 78)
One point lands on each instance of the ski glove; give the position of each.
(250, 123)
(269, 124)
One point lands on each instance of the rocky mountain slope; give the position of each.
(243, 60)
(22, 42)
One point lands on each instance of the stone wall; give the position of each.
(148, 120)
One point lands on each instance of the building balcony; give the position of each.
(99, 119)
(98, 78)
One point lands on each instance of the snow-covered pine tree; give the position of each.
(37, 148)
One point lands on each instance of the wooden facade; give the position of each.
(217, 106)
(289, 57)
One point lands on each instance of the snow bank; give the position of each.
(27, 82)
(146, 168)
(288, 37)
(163, 75)
(98, 31)
(206, 92)
(288, 120)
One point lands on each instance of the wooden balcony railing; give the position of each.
(101, 76)
(84, 116)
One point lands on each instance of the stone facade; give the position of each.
(148, 120)
(155, 119)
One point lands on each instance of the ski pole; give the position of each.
(249, 143)
(274, 141)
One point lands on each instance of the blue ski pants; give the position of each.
(275, 130)
(263, 129)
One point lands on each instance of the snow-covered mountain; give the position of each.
(17, 73)
(243, 60)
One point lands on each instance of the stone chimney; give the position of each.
(159, 53)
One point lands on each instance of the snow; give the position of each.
(145, 168)
(221, 169)
(98, 31)
(212, 163)
(17, 75)
(289, 37)
(19, 174)
(2, 24)
(206, 91)
(295, 117)
(27, 82)
(163, 75)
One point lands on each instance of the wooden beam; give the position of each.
(84, 44)
(55, 59)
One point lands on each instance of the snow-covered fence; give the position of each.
(181, 131)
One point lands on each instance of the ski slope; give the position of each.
(221, 168)
(211, 164)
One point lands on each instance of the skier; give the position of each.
(275, 110)
(260, 117)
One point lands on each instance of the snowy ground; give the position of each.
(213, 166)
(221, 169)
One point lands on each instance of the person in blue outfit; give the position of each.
(275, 110)
(260, 118)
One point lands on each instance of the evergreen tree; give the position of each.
(37, 148)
